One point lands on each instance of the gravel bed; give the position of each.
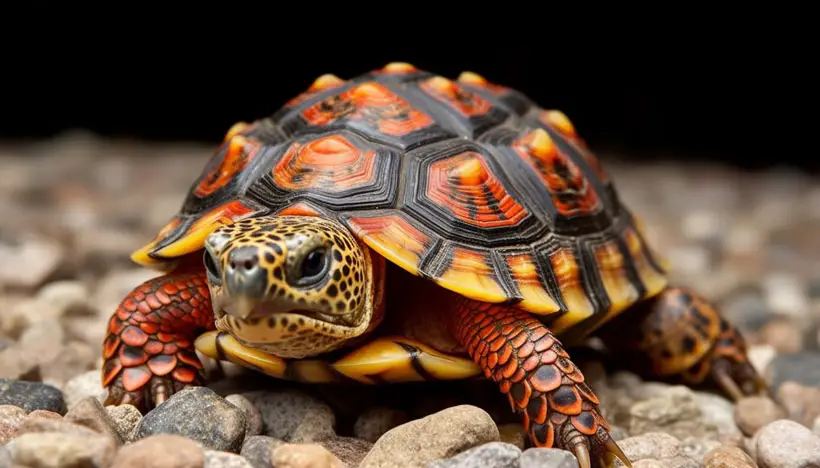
(75, 207)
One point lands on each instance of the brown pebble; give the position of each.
(41, 413)
(89, 412)
(304, 456)
(727, 456)
(783, 336)
(801, 402)
(36, 424)
(160, 451)
(752, 413)
(53, 449)
(10, 419)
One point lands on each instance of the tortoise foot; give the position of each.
(149, 349)
(543, 386)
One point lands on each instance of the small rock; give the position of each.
(787, 444)
(45, 414)
(293, 416)
(725, 456)
(56, 449)
(760, 356)
(36, 423)
(199, 414)
(753, 412)
(495, 454)
(719, 411)
(10, 419)
(259, 449)
(41, 257)
(253, 418)
(126, 418)
(82, 386)
(160, 451)
(90, 413)
(682, 462)
(350, 450)
(437, 436)
(71, 298)
(216, 459)
(374, 422)
(696, 448)
(783, 335)
(73, 359)
(547, 457)
(31, 396)
(801, 402)
(786, 295)
(676, 413)
(304, 456)
(654, 445)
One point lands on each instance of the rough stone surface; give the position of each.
(258, 450)
(439, 435)
(752, 413)
(304, 456)
(293, 416)
(160, 451)
(725, 456)
(218, 425)
(496, 454)
(56, 449)
(787, 444)
(31, 396)
(253, 418)
(10, 419)
(90, 413)
(216, 459)
(125, 418)
(553, 458)
(676, 412)
(374, 422)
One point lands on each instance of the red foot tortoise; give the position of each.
(401, 226)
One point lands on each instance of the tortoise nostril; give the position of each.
(250, 263)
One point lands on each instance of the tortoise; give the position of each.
(402, 226)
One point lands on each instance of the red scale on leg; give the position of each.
(541, 383)
(149, 351)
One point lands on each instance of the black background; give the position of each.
(742, 98)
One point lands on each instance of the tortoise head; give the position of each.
(293, 286)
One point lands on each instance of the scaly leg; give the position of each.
(680, 337)
(543, 386)
(149, 350)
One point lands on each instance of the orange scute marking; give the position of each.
(471, 274)
(331, 163)
(298, 209)
(373, 105)
(571, 192)
(324, 82)
(457, 97)
(392, 237)
(465, 185)
(612, 269)
(239, 152)
(474, 79)
(134, 378)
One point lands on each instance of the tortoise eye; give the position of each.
(315, 265)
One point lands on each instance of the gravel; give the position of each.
(748, 241)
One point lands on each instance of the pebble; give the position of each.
(676, 413)
(439, 435)
(160, 451)
(783, 335)
(40, 256)
(787, 444)
(57, 449)
(217, 459)
(31, 396)
(125, 418)
(293, 416)
(90, 413)
(725, 456)
(5, 457)
(10, 419)
(718, 411)
(36, 423)
(258, 450)
(547, 457)
(304, 456)
(253, 417)
(350, 450)
(802, 367)
(802, 403)
(753, 412)
(495, 454)
(653, 445)
(82, 386)
(199, 414)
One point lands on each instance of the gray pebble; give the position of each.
(217, 459)
(292, 416)
(126, 418)
(495, 454)
(91, 414)
(31, 396)
(754, 412)
(801, 367)
(374, 422)
(547, 458)
(253, 418)
(5, 457)
(787, 444)
(49, 449)
(259, 449)
(199, 414)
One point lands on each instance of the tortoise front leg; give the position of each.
(544, 387)
(149, 348)
(679, 336)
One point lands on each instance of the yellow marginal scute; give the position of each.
(391, 362)
(471, 276)
(239, 354)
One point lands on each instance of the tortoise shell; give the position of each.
(467, 183)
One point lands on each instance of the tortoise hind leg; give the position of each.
(679, 336)
(522, 356)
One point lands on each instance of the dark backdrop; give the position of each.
(742, 100)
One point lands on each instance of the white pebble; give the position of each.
(760, 356)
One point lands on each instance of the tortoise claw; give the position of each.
(739, 380)
(581, 453)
